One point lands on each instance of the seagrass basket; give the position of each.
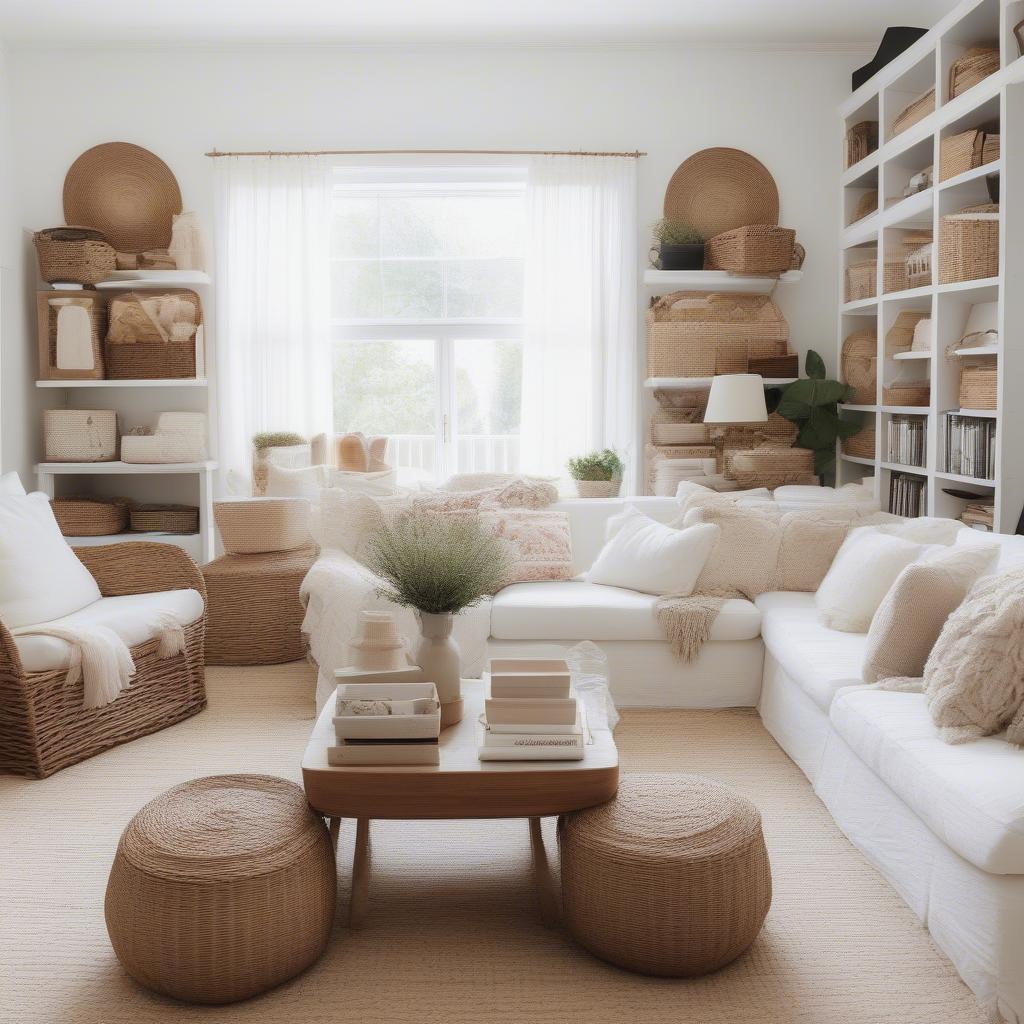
(909, 393)
(861, 280)
(907, 262)
(862, 444)
(861, 140)
(975, 65)
(859, 365)
(866, 205)
(777, 432)
(770, 466)
(978, 387)
(60, 317)
(755, 249)
(74, 255)
(165, 519)
(775, 366)
(967, 150)
(90, 517)
(700, 334)
(80, 435)
(140, 346)
(900, 337)
(969, 244)
(914, 112)
(678, 433)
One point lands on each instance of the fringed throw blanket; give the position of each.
(687, 622)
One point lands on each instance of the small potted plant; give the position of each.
(679, 247)
(597, 475)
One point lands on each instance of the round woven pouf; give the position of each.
(670, 878)
(221, 889)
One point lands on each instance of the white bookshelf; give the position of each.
(888, 169)
(138, 402)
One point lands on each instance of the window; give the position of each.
(426, 305)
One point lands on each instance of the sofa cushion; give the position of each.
(575, 610)
(970, 796)
(821, 661)
(130, 617)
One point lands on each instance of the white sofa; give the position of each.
(945, 824)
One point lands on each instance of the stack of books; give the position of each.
(532, 713)
(378, 723)
(906, 494)
(970, 445)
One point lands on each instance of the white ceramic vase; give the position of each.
(438, 656)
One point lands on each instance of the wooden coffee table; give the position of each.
(462, 786)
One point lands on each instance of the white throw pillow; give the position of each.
(925, 530)
(382, 483)
(40, 577)
(1011, 548)
(301, 482)
(863, 571)
(348, 520)
(10, 483)
(645, 555)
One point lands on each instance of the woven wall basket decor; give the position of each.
(124, 191)
(719, 189)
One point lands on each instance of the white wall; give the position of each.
(670, 102)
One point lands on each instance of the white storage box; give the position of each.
(370, 726)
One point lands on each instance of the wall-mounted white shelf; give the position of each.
(703, 383)
(980, 350)
(113, 468)
(985, 414)
(857, 459)
(912, 355)
(127, 280)
(859, 408)
(175, 382)
(716, 281)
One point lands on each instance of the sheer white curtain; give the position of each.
(273, 301)
(579, 338)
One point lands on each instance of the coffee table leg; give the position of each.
(360, 875)
(542, 876)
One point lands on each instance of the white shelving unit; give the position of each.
(1000, 97)
(138, 402)
(715, 281)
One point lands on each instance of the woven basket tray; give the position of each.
(906, 394)
(862, 445)
(964, 152)
(978, 387)
(771, 467)
(74, 255)
(976, 64)
(165, 519)
(679, 433)
(756, 249)
(90, 517)
(969, 244)
(916, 111)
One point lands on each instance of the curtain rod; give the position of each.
(635, 154)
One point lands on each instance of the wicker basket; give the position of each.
(908, 262)
(80, 435)
(900, 337)
(700, 334)
(90, 517)
(969, 244)
(976, 64)
(654, 453)
(909, 393)
(771, 467)
(861, 140)
(861, 280)
(679, 433)
(866, 205)
(165, 519)
(859, 366)
(862, 445)
(53, 324)
(964, 152)
(138, 349)
(756, 249)
(775, 366)
(74, 255)
(916, 111)
(978, 387)
(919, 265)
(258, 525)
(598, 488)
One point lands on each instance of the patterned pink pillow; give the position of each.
(540, 543)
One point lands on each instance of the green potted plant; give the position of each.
(438, 565)
(597, 475)
(680, 247)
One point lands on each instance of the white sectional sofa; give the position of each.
(944, 824)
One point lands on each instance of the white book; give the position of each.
(346, 754)
(532, 739)
(548, 753)
(545, 711)
(530, 688)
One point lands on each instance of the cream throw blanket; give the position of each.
(102, 660)
(687, 622)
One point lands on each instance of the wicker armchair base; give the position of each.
(221, 889)
(253, 613)
(670, 878)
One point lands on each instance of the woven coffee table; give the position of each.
(462, 786)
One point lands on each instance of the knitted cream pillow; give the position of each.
(911, 616)
(808, 545)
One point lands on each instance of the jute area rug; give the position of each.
(453, 933)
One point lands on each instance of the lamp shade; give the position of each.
(736, 398)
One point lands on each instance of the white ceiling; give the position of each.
(763, 24)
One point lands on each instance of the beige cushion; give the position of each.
(911, 616)
(809, 543)
(539, 543)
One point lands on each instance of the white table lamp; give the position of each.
(736, 398)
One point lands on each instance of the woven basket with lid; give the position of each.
(978, 387)
(859, 365)
(969, 244)
(74, 255)
(755, 249)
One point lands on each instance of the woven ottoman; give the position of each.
(221, 889)
(253, 614)
(670, 878)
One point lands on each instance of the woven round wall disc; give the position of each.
(719, 189)
(124, 191)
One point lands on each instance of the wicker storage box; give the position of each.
(80, 435)
(90, 517)
(775, 366)
(866, 205)
(258, 525)
(861, 280)
(70, 328)
(978, 387)
(862, 445)
(161, 448)
(916, 111)
(861, 140)
(777, 432)
(165, 518)
(700, 334)
(74, 255)
(910, 393)
(976, 64)
(770, 466)
(679, 433)
(964, 152)
(153, 336)
(969, 244)
(900, 337)
(859, 365)
(756, 249)
(908, 262)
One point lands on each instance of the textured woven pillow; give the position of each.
(911, 616)
(289, 482)
(974, 677)
(808, 545)
(539, 543)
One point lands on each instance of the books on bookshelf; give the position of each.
(532, 713)
(969, 445)
(906, 491)
(907, 440)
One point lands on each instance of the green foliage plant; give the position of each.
(276, 439)
(674, 232)
(603, 465)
